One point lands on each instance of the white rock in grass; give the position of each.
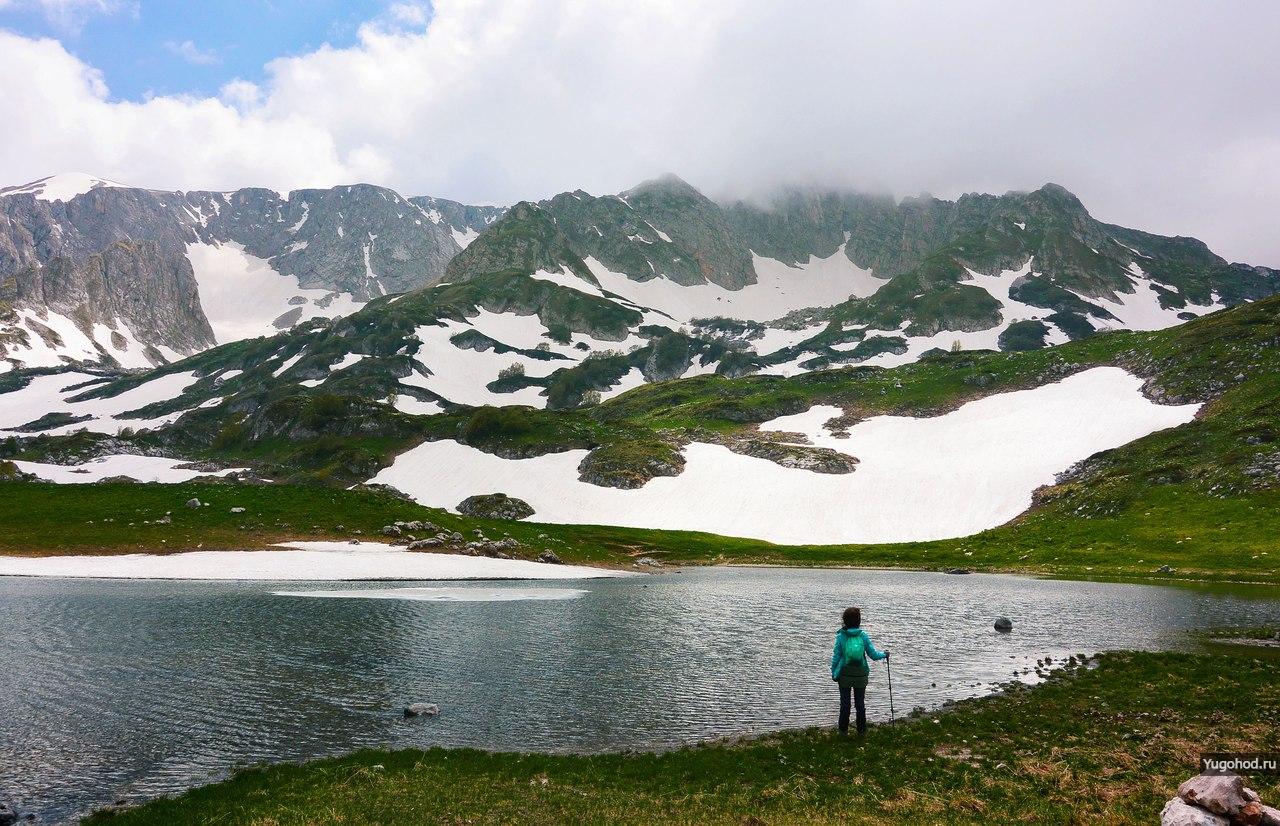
(1179, 813)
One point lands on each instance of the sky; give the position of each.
(1161, 115)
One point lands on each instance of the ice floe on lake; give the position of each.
(444, 594)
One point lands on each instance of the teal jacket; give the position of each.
(838, 655)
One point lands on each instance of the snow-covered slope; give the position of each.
(243, 296)
(61, 187)
(917, 479)
(59, 394)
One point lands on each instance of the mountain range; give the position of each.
(321, 334)
(96, 272)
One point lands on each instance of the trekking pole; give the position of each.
(889, 671)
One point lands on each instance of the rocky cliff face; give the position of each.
(97, 260)
(130, 295)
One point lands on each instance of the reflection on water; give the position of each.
(112, 688)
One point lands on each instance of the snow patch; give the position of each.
(779, 289)
(304, 561)
(918, 479)
(141, 468)
(61, 187)
(463, 237)
(242, 295)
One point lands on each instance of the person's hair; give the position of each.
(852, 617)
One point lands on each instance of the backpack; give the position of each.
(855, 656)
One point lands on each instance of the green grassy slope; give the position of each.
(1201, 498)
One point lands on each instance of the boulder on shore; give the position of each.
(421, 710)
(1004, 625)
(1217, 800)
(550, 557)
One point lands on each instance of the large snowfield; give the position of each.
(918, 479)
(300, 562)
(243, 295)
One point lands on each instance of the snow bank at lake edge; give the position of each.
(298, 562)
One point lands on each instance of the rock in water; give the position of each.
(1222, 794)
(7, 815)
(1004, 625)
(421, 710)
(1179, 813)
(495, 506)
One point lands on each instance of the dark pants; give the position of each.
(859, 701)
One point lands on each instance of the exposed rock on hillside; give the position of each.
(495, 506)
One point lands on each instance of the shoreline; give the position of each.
(600, 569)
(1002, 756)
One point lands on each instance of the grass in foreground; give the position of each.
(1109, 744)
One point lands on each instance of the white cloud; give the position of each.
(71, 15)
(188, 51)
(1158, 115)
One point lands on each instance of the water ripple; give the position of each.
(147, 688)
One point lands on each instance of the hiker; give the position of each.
(849, 667)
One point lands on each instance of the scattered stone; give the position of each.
(237, 510)
(550, 557)
(391, 530)
(495, 506)
(1164, 569)
(1178, 813)
(1217, 800)
(419, 544)
(648, 562)
(354, 542)
(193, 503)
(422, 710)
(1222, 794)
(957, 571)
(1004, 625)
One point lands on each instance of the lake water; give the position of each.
(143, 688)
